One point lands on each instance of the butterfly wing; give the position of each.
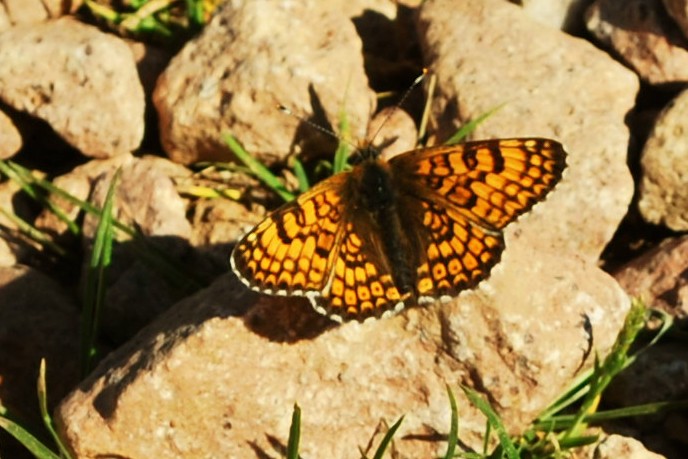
(290, 252)
(466, 195)
(452, 254)
(317, 246)
(361, 284)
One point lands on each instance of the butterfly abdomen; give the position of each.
(378, 201)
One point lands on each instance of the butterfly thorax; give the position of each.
(376, 200)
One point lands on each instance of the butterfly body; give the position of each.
(422, 226)
(376, 196)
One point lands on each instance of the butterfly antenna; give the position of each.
(422, 128)
(315, 126)
(398, 105)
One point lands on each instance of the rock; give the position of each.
(659, 374)
(659, 277)
(678, 10)
(561, 14)
(20, 12)
(14, 245)
(10, 138)
(245, 359)
(81, 81)
(37, 320)
(247, 61)
(244, 373)
(392, 131)
(643, 34)
(217, 224)
(663, 199)
(533, 74)
(616, 446)
(79, 183)
(146, 199)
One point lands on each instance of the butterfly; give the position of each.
(423, 226)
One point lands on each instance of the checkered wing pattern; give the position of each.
(424, 226)
(467, 194)
(313, 247)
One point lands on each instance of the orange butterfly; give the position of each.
(422, 226)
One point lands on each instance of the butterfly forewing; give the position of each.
(489, 182)
(290, 252)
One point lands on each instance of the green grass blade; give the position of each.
(576, 391)
(341, 155)
(31, 185)
(564, 421)
(43, 406)
(257, 168)
(195, 12)
(38, 449)
(301, 176)
(94, 296)
(387, 439)
(102, 11)
(453, 437)
(154, 257)
(294, 434)
(615, 362)
(505, 442)
(667, 322)
(33, 233)
(469, 127)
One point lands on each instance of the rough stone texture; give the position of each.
(10, 138)
(13, 245)
(20, 12)
(618, 446)
(560, 14)
(79, 183)
(660, 373)
(37, 320)
(645, 37)
(393, 132)
(146, 199)
(218, 374)
(660, 277)
(678, 10)
(663, 198)
(217, 224)
(81, 81)
(211, 384)
(534, 74)
(251, 58)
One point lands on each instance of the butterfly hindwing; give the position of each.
(361, 284)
